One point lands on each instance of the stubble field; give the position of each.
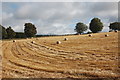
(80, 56)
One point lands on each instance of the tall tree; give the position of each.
(115, 26)
(96, 25)
(11, 33)
(30, 30)
(3, 32)
(80, 27)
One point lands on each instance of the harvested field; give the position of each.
(79, 57)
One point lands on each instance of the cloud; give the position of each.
(60, 0)
(56, 17)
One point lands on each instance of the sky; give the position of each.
(57, 17)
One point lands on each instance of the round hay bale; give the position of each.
(33, 42)
(116, 30)
(14, 40)
(58, 42)
(65, 39)
(90, 35)
(106, 35)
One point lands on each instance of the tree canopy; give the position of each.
(10, 32)
(3, 32)
(80, 27)
(96, 25)
(30, 30)
(115, 26)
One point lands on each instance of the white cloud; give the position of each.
(56, 17)
(6, 16)
(60, 0)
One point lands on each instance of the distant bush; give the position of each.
(20, 35)
(111, 30)
(115, 26)
(89, 32)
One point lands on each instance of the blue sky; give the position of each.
(57, 17)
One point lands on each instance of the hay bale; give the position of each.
(116, 30)
(14, 40)
(106, 35)
(33, 42)
(90, 35)
(65, 39)
(58, 42)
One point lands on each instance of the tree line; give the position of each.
(30, 30)
(95, 26)
(9, 33)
